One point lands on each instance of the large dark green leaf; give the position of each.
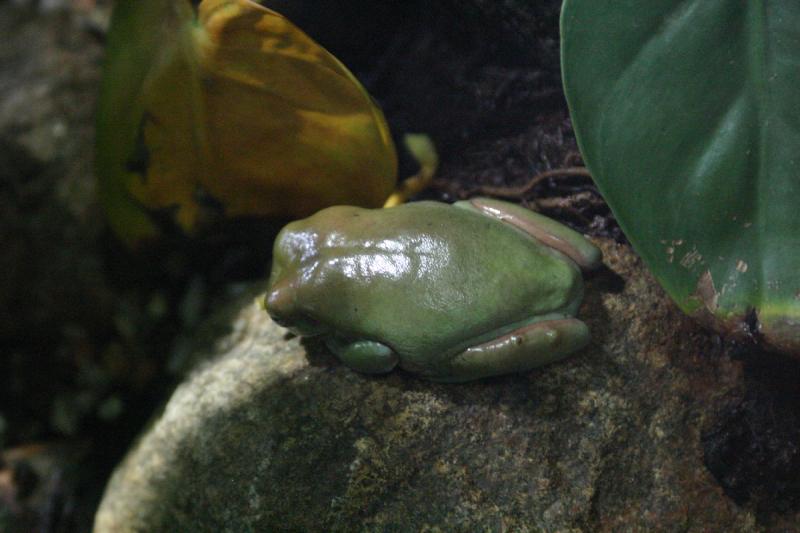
(688, 116)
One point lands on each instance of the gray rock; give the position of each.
(270, 433)
(52, 269)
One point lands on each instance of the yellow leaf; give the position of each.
(231, 108)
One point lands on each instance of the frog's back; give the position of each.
(418, 276)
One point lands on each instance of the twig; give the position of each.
(563, 202)
(524, 190)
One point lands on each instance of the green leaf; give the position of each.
(135, 44)
(688, 117)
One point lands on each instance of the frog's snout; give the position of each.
(278, 300)
(281, 305)
(275, 304)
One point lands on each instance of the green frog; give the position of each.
(450, 292)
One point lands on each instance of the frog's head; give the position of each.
(289, 258)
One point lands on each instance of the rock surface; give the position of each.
(49, 218)
(269, 433)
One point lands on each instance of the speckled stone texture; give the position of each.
(49, 220)
(267, 433)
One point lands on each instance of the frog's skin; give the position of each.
(454, 293)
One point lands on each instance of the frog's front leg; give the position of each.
(535, 344)
(365, 356)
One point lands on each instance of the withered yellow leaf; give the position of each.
(230, 109)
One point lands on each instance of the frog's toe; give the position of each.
(520, 350)
(365, 356)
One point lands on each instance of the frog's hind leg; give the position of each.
(545, 230)
(522, 349)
(365, 356)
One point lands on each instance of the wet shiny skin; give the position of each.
(433, 288)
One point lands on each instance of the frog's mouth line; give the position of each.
(302, 326)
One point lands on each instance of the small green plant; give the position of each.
(688, 117)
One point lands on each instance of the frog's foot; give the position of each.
(423, 150)
(547, 231)
(520, 350)
(365, 356)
